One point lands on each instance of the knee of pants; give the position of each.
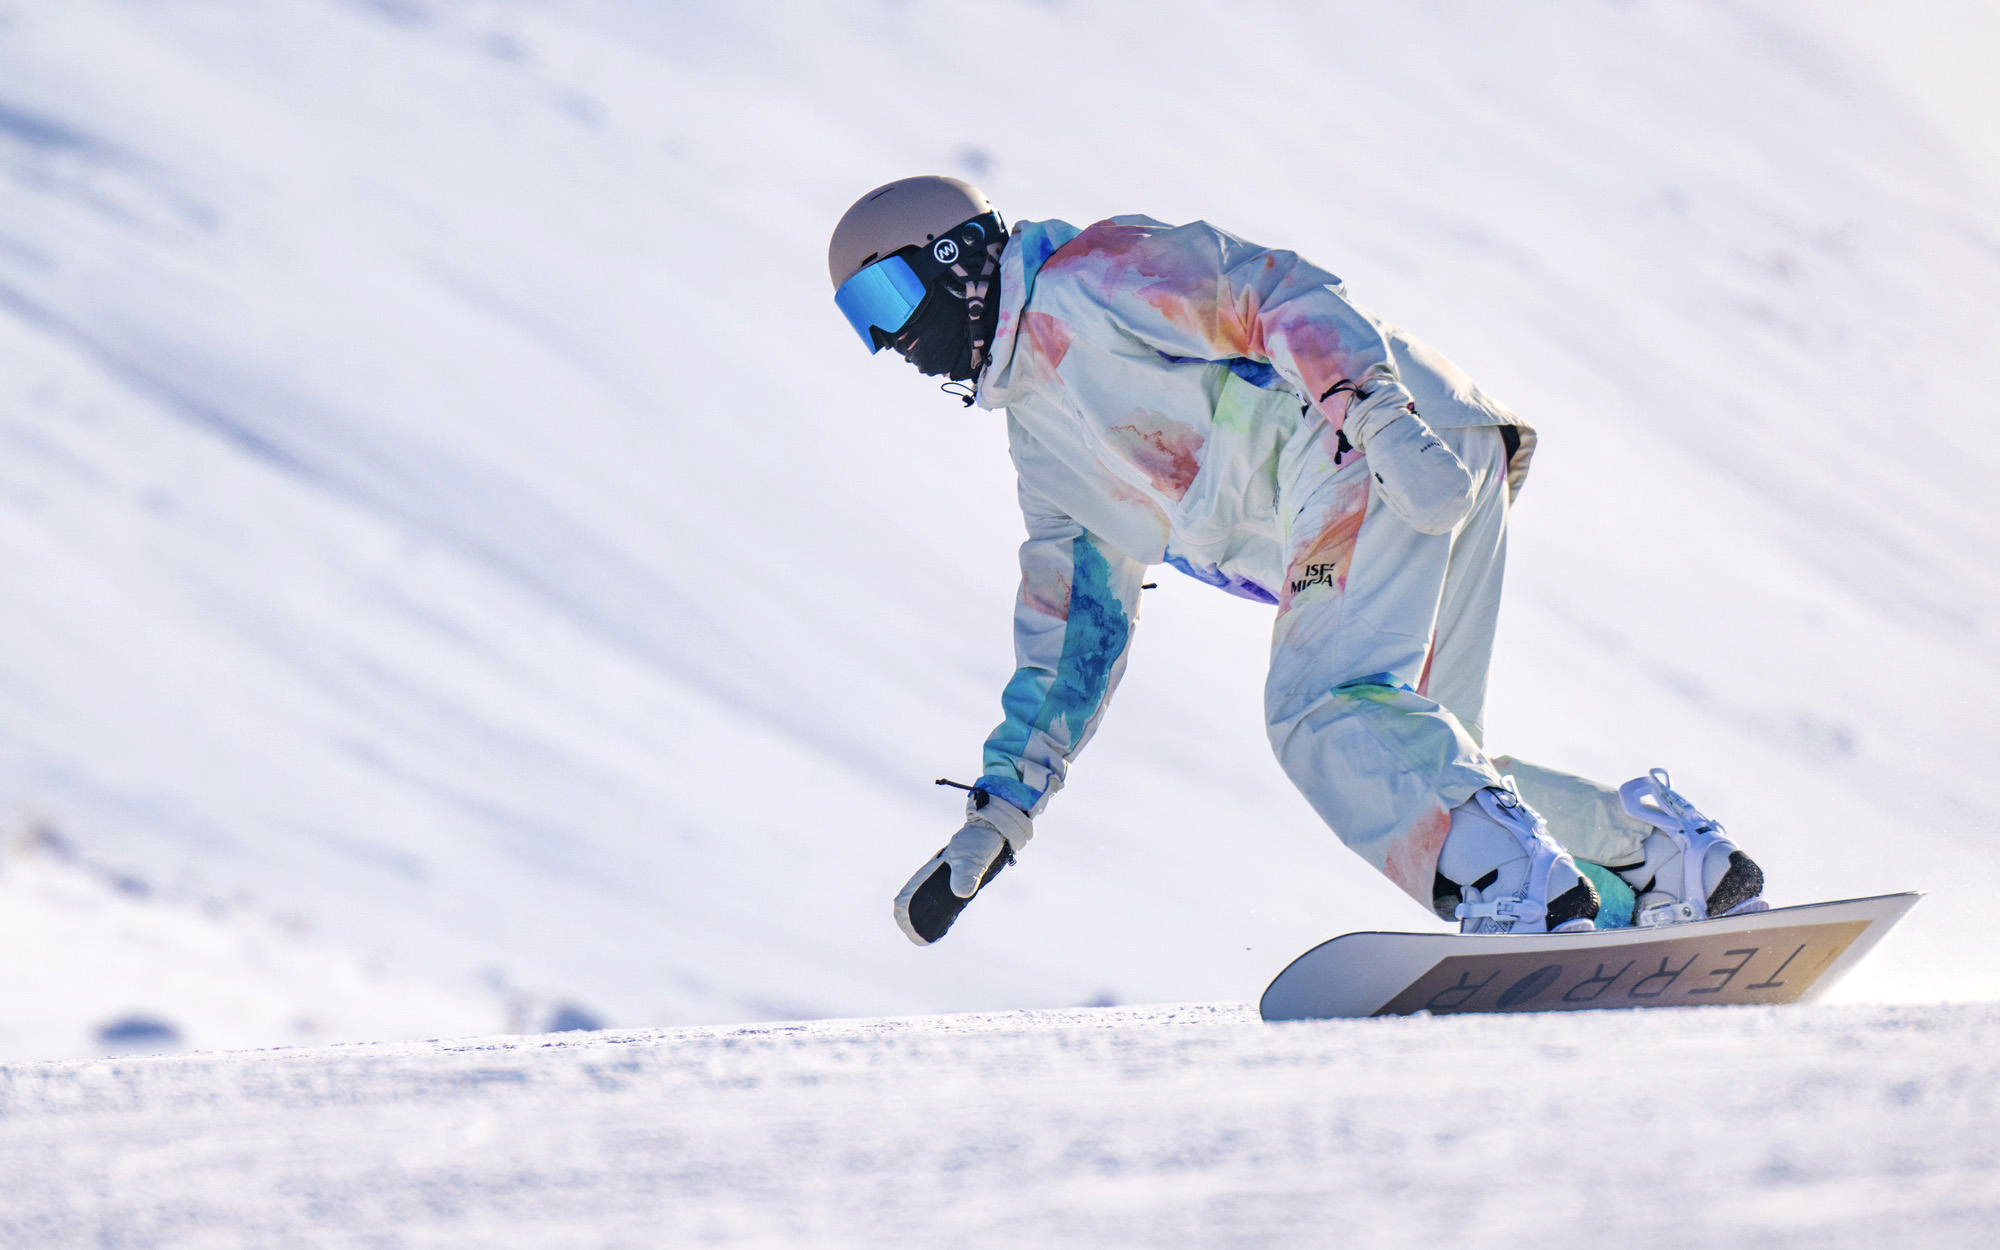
(1367, 737)
(1373, 706)
(1300, 681)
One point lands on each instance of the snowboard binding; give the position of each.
(1500, 872)
(1692, 870)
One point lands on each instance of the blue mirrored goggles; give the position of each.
(881, 297)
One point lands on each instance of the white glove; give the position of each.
(994, 830)
(1421, 479)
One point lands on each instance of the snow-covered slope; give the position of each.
(98, 960)
(439, 503)
(1762, 1128)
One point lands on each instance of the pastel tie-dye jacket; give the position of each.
(1153, 376)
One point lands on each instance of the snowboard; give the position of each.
(1784, 955)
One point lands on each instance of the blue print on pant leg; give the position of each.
(1616, 902)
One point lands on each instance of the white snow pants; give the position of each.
(1379, 662)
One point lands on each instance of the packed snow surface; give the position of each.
(1763, 1128)
(448, 528)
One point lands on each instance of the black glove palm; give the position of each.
(975, 855)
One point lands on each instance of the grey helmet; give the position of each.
(915, 265)
(892, 217)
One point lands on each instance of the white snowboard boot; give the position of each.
(1505, 872)
(1692, 871)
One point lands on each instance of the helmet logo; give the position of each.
(946, 250)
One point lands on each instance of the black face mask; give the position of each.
(951, 333)
(938, 340)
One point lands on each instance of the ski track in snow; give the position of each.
(1864, 1127)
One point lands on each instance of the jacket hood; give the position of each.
(1029, 248)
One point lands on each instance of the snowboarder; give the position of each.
(1177, 395)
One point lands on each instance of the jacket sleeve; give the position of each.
(1073, 622)
(1195, 291)
(1199, 292)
